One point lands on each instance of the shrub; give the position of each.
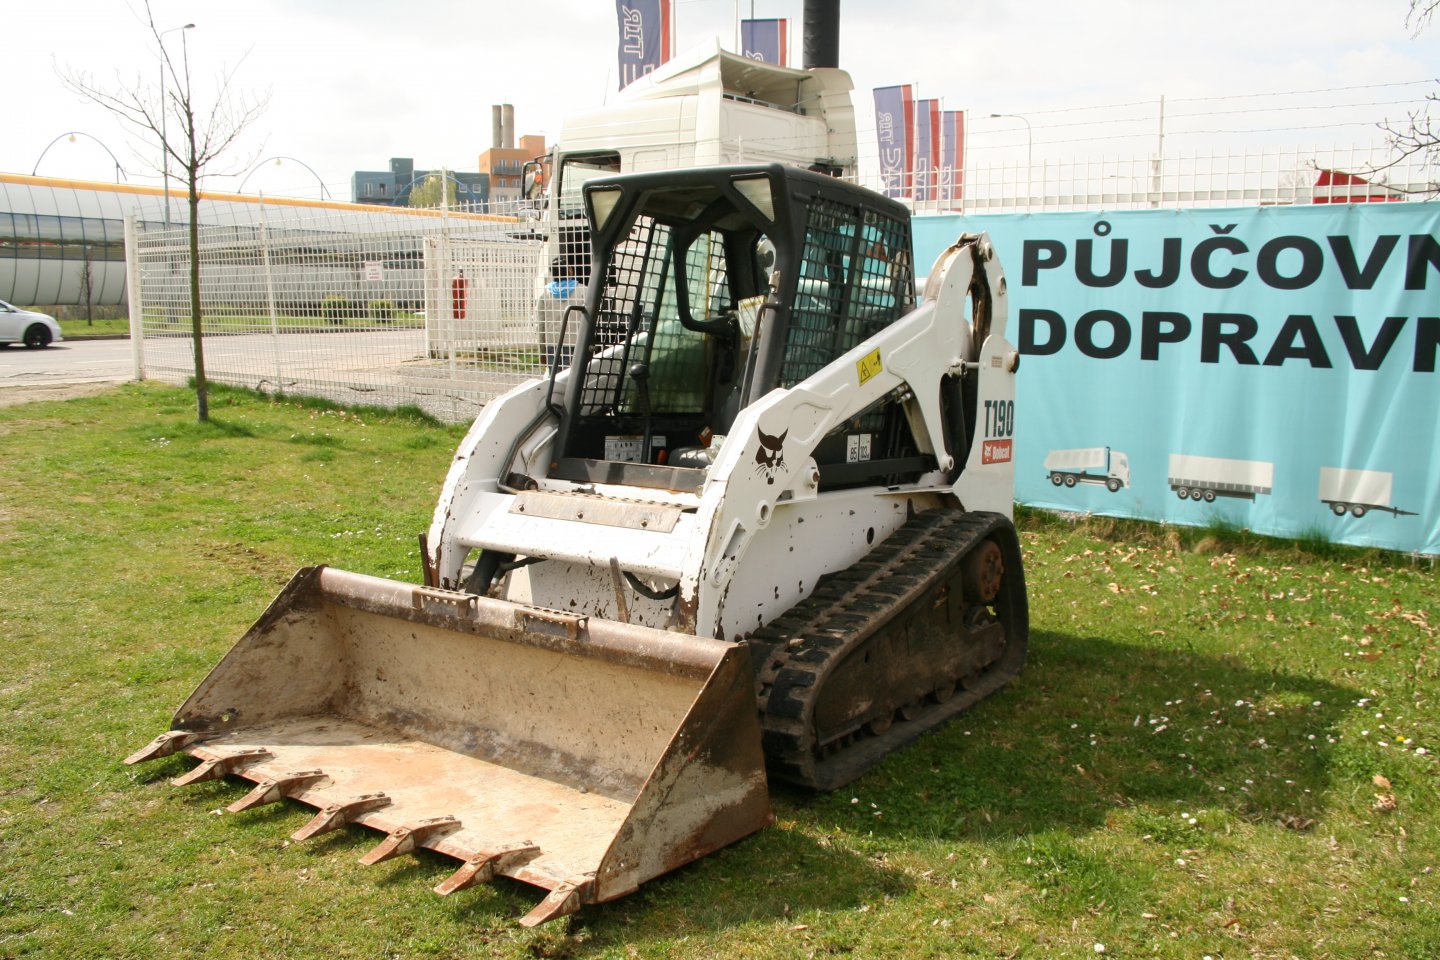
(381, 310)
(336, 309)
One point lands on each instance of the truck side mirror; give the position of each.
(534, 180)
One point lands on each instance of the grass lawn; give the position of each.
(77, 329)
(219, 323)
(1220, 747)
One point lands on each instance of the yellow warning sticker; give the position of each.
(868, 365)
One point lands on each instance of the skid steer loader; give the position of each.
(755, 524)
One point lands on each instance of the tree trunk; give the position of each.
(87, 288)
(197, 337)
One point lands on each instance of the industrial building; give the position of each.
(505, 162)
(393, 187)
(63, 241)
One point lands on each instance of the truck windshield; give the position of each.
(575, 172)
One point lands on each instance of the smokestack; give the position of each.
(507, 125)
(497, 128)
(822, 33)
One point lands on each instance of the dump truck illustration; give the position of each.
(1357, 492)
(1205, 478)
(1088, 465)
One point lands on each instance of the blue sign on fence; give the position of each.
(1272, 368)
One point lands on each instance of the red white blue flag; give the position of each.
(952, 154)
(644, 37)
(895, 135)
(766, 40)
(927, 150)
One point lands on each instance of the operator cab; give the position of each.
(707, 290)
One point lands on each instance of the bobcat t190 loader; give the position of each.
(758, 523)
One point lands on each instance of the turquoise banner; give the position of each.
(1273, 368)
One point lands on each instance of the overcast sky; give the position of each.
(353, 83)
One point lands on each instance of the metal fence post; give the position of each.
(270, 296)
(452, 325)
(137, 300)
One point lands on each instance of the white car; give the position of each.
(35, 330)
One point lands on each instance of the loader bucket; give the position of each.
(580, 755)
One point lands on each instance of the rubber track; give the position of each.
(846, 611)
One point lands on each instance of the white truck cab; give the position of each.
(706, 107)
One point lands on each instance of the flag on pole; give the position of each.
(644, 37)
(766, 40)
(952, 154)
(927, 149)
(894, 131)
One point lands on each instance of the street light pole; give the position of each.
(72, 134)
(164, 110)
(324, 191)
(1029, 155)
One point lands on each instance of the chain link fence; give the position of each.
(445, 310)
(1268, 176)
(424, 308)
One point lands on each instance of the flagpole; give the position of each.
(964, 159)
(912, 136)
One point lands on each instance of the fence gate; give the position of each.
(387, 308)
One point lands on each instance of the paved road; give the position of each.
(381, 367)
(101, 361)
(73, 361)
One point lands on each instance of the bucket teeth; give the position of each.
(219, 767)
(273, 789)
(565, 899)
(335, 815)
(171, 741)
(405, 839)
(483, 866)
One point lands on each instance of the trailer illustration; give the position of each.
(1357, 492)
(1205, 478)
(1089, 465)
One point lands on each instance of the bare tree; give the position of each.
(1419, 135)
(203, 140)
(87, 288)
(1420, 13)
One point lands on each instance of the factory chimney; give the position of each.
(507, 125)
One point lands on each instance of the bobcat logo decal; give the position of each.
(770, 456)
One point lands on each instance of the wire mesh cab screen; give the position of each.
(854, 280)
(639, 323)
(713, 287)
(655, 385)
